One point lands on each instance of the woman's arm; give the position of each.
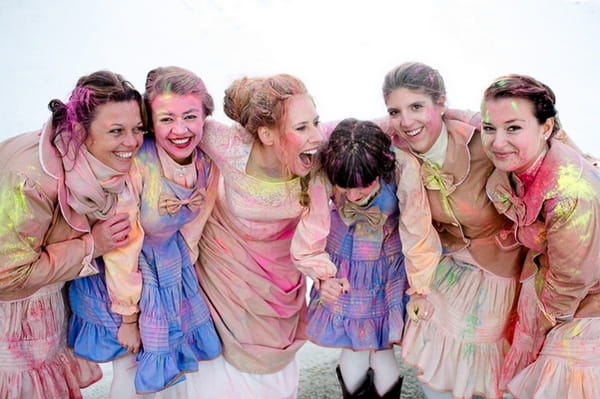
(310, 238)
(420, 242)
(27, 262)
(572, 230)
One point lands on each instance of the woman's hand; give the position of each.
(331, 289)
(419, 308)
(111, 233)
(129, 337)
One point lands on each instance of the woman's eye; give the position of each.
(165, 120)
(139, 130)
(116, 131)
(301, 128)
(513, 129)
(416, 107)
(487, 129)
(392, 112)
(190, 117)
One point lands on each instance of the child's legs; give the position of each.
(386, 370)
(354, 367)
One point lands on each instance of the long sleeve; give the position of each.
(27, 262)
(420, 242)
(310, 238)
(572, 227)
(123, 277)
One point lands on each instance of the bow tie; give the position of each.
(167, 203)
(435, 179)
(351, 213)
(509, 204)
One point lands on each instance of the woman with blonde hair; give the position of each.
(255, 294)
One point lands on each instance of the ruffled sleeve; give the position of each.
(420, 242)
(310, 238)
(26, 261)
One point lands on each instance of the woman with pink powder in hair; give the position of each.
(157, 330)
(58, 198)
(552, 194)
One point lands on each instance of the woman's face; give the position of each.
(116, 134)
(178, 123)
(512, 137)
(302, 136)
(415, 117)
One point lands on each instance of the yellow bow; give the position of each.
(435, 179)
(167, 203)
(351, 213)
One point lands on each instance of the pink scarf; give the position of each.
(92, 187)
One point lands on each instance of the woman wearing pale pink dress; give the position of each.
(59, 190)
(459, 339)
(255, 294)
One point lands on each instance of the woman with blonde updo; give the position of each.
(255, 294)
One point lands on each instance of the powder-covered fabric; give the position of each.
(255, 294)
(176, 329)
(481, 258)
(557, 216)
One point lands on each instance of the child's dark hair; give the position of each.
(356, 154)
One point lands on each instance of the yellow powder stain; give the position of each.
(571, 184)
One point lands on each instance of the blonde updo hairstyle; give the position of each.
(257, 102)
(262, 102)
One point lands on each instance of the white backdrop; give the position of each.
(340, 49)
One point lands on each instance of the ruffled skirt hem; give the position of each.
(61, 377)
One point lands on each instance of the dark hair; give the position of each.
(522, 86)
(178, 81)
(356, 154)
(256, 102)
(415, 76)
(90, 92)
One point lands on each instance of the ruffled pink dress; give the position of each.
(461, 348)
(556, 208)
(43, 245)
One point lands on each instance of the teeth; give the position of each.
(413, 132)
(180, 141)
(310, 152)
(124, 155)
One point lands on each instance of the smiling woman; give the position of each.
(151, 353)
(59, 190)
(255, 294)
(551, 193)
(473, 291)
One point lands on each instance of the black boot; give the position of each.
(364, 391)
(394, 391)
